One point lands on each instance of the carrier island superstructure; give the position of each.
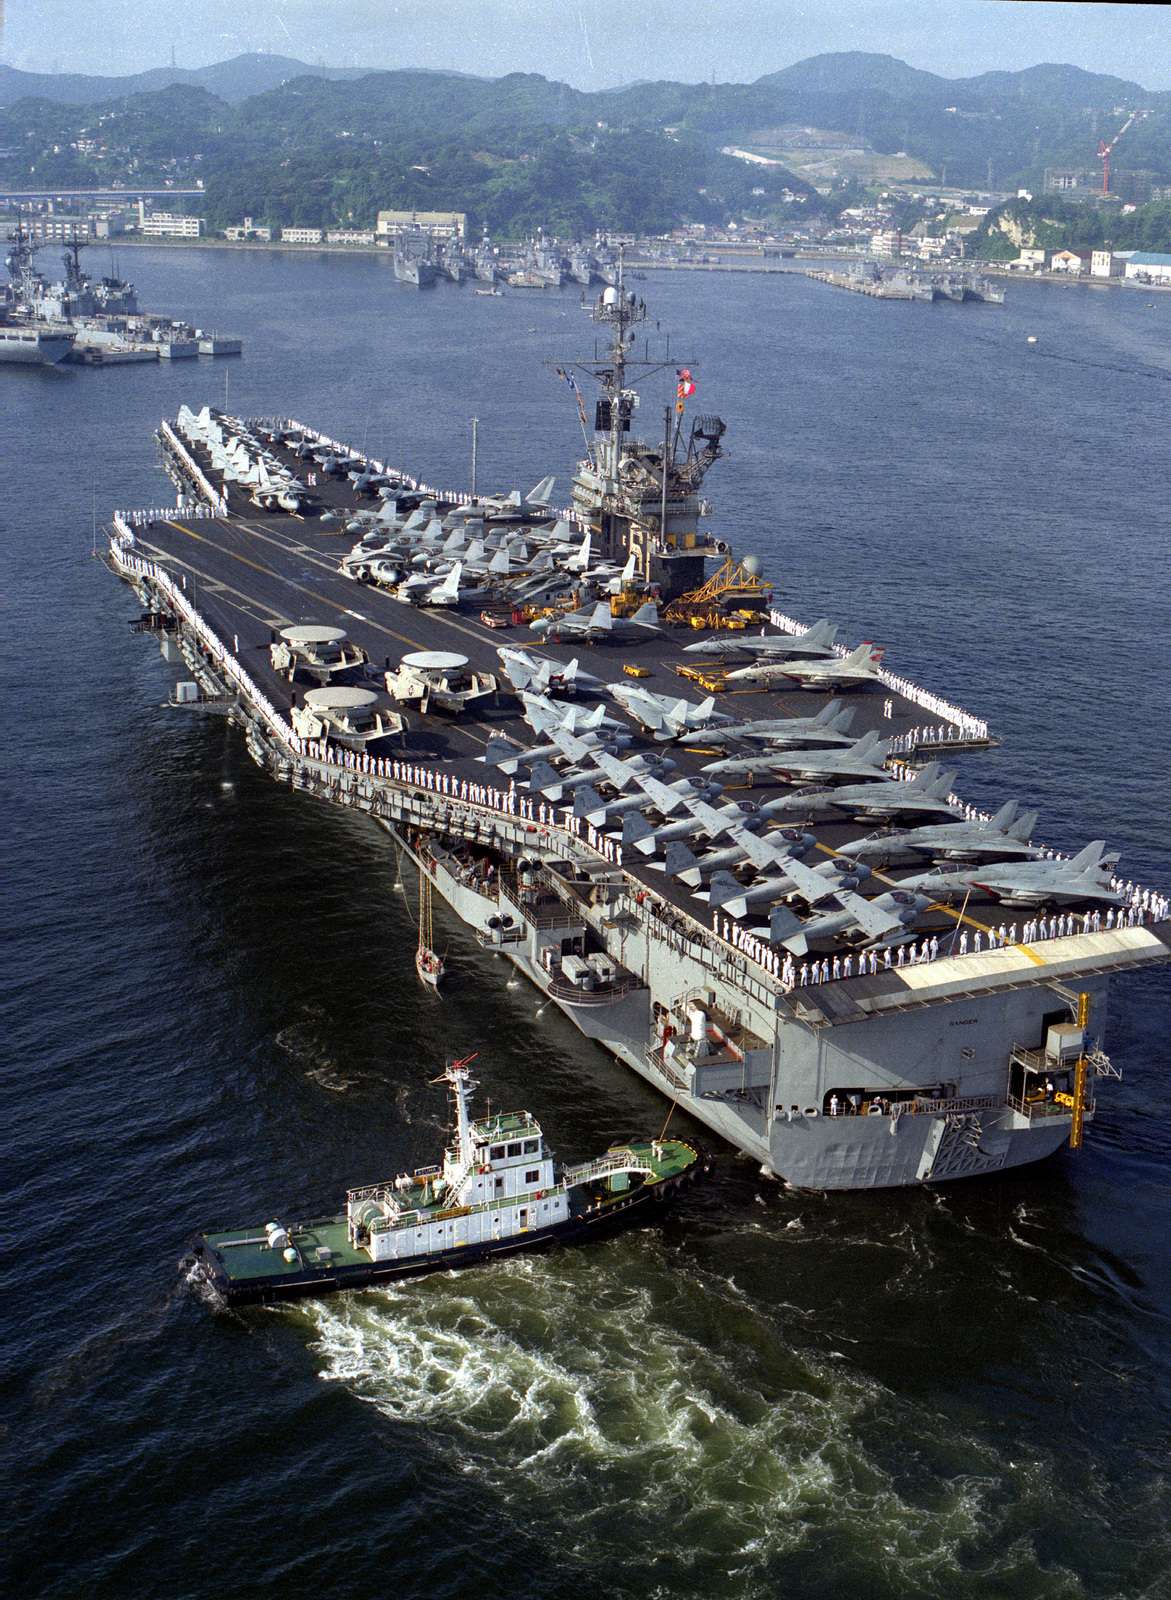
(717, 943)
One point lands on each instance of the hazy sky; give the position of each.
(592, 44)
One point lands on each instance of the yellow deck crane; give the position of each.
(731, 598)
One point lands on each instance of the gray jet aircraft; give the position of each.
(827, 727)
(1004, 835)
(925, 793)
(854, 671)
(818, 641)
(730, 894)
(864, 759)
(1030, 883)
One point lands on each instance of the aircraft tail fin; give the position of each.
(1087, 859)
(500, 564)
(539, 496)
(825, 717)
(681, 860)
(499, 751)
(581, 559)
(725, 889)
(647, 615)
(704, 709)
(449, 588)
(603, 617)
(786, 928)
(821, 634)
(635, 828)
(1022, 828)
(924, 779)
(544, 778)
(589, 804)
(1003, 818)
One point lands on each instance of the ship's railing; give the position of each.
(540, 910)
(921, 1107)
(612, 1162)
(574, 994)
(662, 1065)
(1060, 1106)
(128, 560)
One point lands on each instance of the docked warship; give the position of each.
(782, 961)
(87, 323)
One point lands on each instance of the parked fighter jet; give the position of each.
(878, 918)
(866, 758)
(927, 792)
(274, 490)
(637, 831)
(589, 804)
(884, 920)
(730, 894)
(509, 758)
(850, 672)
(430, 589)
(329, 464)
(542, 715)
(552, 783)
(507, 508)
(1030, 883)
(662, 717)
(817, 642)
(952, 841)
(543, 676)
(692, 869)
(827, 727)
(597, 624)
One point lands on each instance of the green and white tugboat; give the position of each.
(496, 1194)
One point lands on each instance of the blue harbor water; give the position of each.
(211, 1014)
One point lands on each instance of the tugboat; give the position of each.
(496, 1194)
(428, 964)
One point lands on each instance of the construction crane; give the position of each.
(1105, 149)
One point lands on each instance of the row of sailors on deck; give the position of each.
(970, 727)
(1143, 899)
(145, 519)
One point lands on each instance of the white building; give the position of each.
(886, 244)
(1030, 260)
(1147, 267)
(164, 225)
(247, 230)
(349, 236)
(439, 224)
(1075, 262)
(301, 235)
(1105, 264)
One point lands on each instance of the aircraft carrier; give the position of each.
(827, 1022)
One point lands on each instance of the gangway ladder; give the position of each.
(1079, 1077)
